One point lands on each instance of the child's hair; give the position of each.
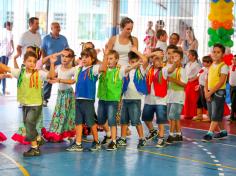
(84, 44)
(156, 49)
(30, 54)
(207, 59)
(160, 33)
(36, 50)
(72, 53)
(7, 23)
(218, 45)
(115, 53)
(132, 55)
(90, 52)
(177, 35)
(171, 47)
(180, 53)
(193, 53)
(123, 22)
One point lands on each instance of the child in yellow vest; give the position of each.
(215, 93)
(30, 96)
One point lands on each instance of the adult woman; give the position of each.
(123, 42)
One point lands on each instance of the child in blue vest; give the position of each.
(134, 87)
(30, 96)
(85, 91)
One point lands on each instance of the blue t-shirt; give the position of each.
(52, 45)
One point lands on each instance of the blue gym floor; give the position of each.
(189, 158)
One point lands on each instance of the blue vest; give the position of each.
(86, 84)
(139, 82)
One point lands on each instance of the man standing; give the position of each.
(6, 48)
(52, 43)
(30, 37)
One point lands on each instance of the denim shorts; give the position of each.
(131, 111)
(201, 99)
(174, 111)
(107, 110)
(216, 106)
(85, 112)
(160, 110)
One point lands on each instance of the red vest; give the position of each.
(160, 84)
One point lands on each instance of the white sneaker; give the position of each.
(45, 103)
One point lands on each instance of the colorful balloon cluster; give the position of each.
(221, 17)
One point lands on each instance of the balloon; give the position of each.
(227, 24)
(215, 24)
(226, 38)
(214, 38)
(215, 1)
(230, 43)
(228, 59)
(211, 31)
(230, 32)
(221, 32)
(227, 1)
(210, 43)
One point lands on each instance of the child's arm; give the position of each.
(156, 53)
(2, 76)
(143, 57)
(4, 68)
(51, 74)
(15, 61)
(134, 66)
(103, 66)
(45, 59)
(66, 81)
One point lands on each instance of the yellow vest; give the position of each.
(30, 94)
(214, 76)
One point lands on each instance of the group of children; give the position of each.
(161, 79)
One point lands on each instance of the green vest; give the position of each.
(110, 85)
(175, 86)
(30, 94)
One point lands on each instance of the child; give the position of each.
(155, 101)
(20, 135)
(29, 94)
(109, 94)
(169, 55)
(162, 39)
(201, 104)
(191, 94)
(62, 124)
(149, 39)
(175, 97)
(232, 82)
(85, 91)
(134, 86)
(215, 93)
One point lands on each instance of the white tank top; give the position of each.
(123, 51)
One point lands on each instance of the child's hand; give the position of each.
(2, 68)
(158, 53)
(53, 81)
(105, 51)
(53, 58)
(197, 87)
(134, 49)
(208, 96)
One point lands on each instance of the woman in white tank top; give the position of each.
(123, 42)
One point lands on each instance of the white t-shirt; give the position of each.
(65, 74)
(224, 68)
(177, 96)
(203, 76)
(29, 39)
(16, 73)
(132, 93)
(151, 99)
(5, 42)
(161, 45)
(232, 77)
(192, 69)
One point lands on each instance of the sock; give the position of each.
(114, 141)
(172, 134)
(223, 131)
(179, 133)
(35, 147)
(78, 143)
(152, 130)
(210, 133)
(108, 134)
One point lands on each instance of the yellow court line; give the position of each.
(22, 169)
(182, 158)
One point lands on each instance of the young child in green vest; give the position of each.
(215, 93)
(175, 97)
(29, 94)
(109, 94)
